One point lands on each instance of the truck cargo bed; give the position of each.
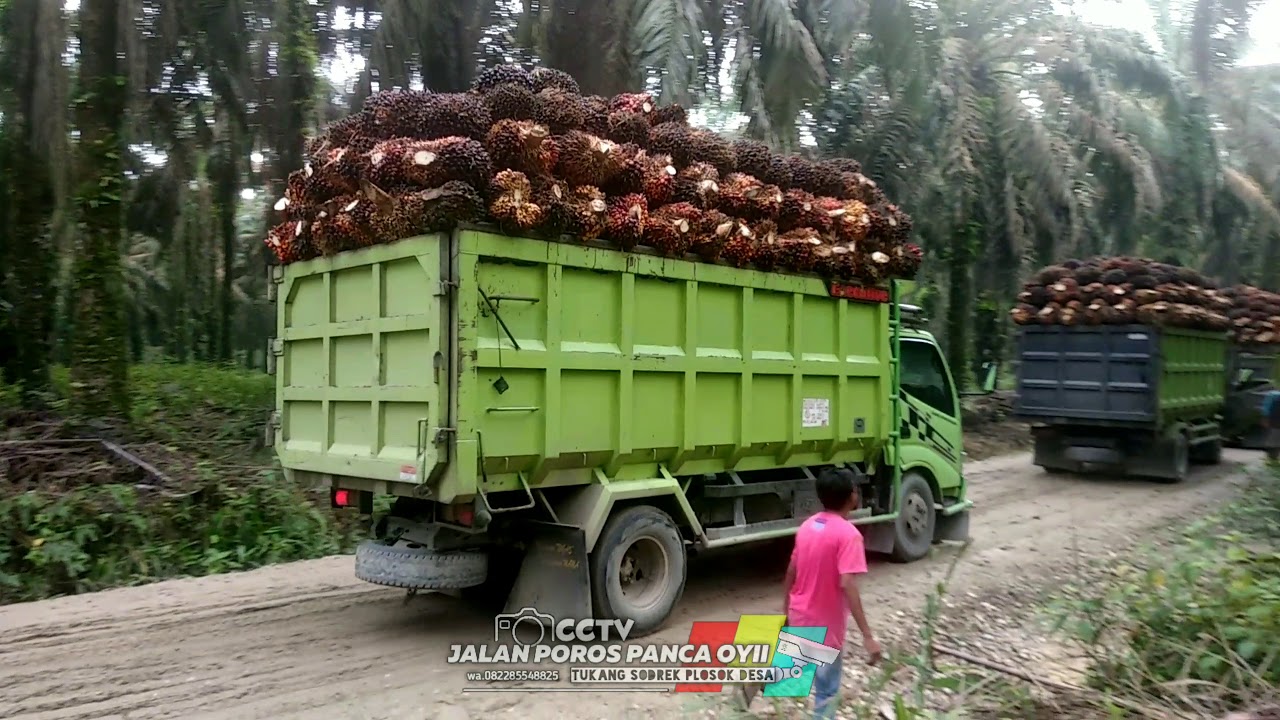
(471, 359)
(1127, 375)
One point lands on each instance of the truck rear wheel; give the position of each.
(638, 568)
(913, 530)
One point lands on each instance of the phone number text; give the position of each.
(514, 676)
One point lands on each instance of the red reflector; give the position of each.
(465, 516)
(342, 498)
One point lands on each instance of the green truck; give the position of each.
(1143, 401)
(561, 423)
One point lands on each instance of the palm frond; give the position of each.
(667, 37)
(1249, 192)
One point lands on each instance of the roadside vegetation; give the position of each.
(186, 488)
(1191, 625)
(1183, 628)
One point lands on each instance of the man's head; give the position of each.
(838, 490)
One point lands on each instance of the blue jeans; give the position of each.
(826, 690)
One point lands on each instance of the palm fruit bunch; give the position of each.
(513, 206)
(628, 216)
(1121, 291)
(521, 145)
(670, 229)
(1254, 315)
(523, 150)
(740, 245)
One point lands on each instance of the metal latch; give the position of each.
(443, 435)
(275, 276)
(273, 422)
(275, 348)
(446, 287)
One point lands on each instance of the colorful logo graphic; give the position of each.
(794, 649)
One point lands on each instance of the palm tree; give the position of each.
(33, 138)
(99, 363)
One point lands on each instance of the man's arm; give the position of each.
(849, 583)
(852, 562)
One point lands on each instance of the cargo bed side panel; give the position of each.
(585, 359)
(1194, 367)
(361, 379)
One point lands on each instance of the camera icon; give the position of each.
(526, 626)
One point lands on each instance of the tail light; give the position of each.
(459, 515)
(344, 498)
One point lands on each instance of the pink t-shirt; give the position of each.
(827, 546)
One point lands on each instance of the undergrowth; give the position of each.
(206, 407)
(100, 523)
(1191, 625)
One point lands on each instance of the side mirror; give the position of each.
(992, 370)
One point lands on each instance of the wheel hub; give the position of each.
(642, 571)
(916, 513)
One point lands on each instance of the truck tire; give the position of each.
(913, 529)
(638, 568)
(414, 567)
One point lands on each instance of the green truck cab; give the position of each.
(561, 423)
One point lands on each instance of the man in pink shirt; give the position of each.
(822, 582)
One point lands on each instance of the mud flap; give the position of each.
(878, 538)
(554, 578)
(952, 528)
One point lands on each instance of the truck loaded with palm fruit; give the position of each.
(1138, 366)
(576, 338)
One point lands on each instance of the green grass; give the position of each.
(1193, 621)
(194, 403)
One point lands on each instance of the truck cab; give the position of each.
(930, 447)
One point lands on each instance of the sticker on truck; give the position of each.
(816, 413)
(408, 473)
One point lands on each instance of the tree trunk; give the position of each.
(99, 365)
(226, 197)
(33, 134)
(960, 301)
(27, 282)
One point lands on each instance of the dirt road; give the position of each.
(307, 640)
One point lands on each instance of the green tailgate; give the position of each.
(360, 381)
(574, 364)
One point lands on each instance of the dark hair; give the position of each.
(835, 486)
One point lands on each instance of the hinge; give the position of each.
(273, 422)
(275, 348)
(447, 287)
(275, 276)
(443, 435)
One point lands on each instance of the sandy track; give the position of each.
(308, 640)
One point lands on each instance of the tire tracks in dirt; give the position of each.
(308, 640)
